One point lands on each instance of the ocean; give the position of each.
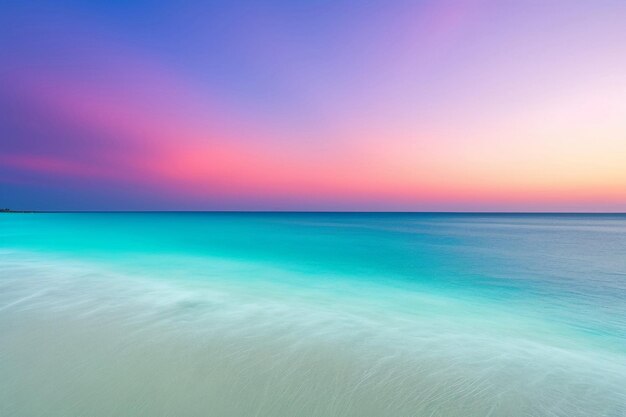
(312, 314)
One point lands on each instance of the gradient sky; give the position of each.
(313, 105)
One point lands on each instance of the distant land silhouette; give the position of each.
(8, 210)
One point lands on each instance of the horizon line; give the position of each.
(6, 210)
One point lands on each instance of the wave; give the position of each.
(85, 338)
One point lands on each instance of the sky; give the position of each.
(477, 105)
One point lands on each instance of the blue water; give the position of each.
(312, 314)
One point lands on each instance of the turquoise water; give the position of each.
(303, 314)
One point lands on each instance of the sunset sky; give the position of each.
(313, 105)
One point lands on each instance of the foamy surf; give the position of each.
(177, 333)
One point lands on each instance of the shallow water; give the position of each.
(196, 314)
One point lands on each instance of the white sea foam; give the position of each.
(83, 339)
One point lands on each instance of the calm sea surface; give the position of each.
(303, 314)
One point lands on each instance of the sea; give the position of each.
(312, 314)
